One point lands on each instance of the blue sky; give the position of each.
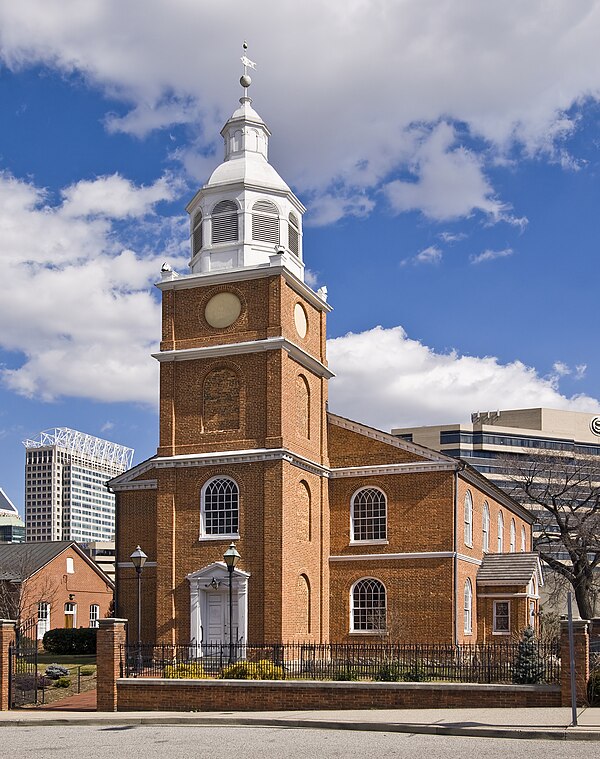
(448, 154)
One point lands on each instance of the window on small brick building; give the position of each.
(219, 508)
(468, 607)
(502, 617)
(523, 539)
(43, 623)
(500, 532)
(221, 401)
(368, 516)
(513, 536)
(94, 615)
(468, 517)
(485, 527)
(368, 606)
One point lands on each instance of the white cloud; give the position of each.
(491, 255)
(429, 255)
(386, 379)
(509, 74)
(80, 304)
(450, 237)
(448, 183)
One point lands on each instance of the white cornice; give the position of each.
(251, 346)
(405, 468)
(402, 556)
(189, 281)
(386, 437)
(135, 485)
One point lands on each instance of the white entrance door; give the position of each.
(217, 628)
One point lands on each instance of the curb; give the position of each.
(559, 733)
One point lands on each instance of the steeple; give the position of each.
(245, 215)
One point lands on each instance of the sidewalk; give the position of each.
(498, 723)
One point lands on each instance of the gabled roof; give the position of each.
(17, 559)
(509, 569)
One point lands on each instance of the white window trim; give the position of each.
(70, 565)
(221, 536)
(501, 632)
(513, 537)
(374, 631)
(95, 618)
(485, 527)
(468, 630)
(500, 529)
(370, 541)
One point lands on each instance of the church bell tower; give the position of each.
(242, 453)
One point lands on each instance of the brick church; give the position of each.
(346, 533)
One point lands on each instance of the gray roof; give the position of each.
(17, 559)
(509, 568)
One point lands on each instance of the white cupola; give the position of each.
(245, 215)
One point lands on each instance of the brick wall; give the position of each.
(185, 695)
(7, 637)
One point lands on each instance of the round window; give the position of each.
(300, 320)
(222, 310)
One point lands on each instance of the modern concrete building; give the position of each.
(103, 553)
(65, 485)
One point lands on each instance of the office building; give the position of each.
(12, 527)
(65, 485)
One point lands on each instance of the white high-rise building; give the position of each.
(65, 485)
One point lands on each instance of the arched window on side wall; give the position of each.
(485, 527)
(523, 539)
(219, 508)
(468, 518)
(513, 536)
(500, 532)
(368, 599)
(303, 405)
(468, 607)
(368, 515)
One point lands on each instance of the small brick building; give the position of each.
(346, 533)
(53, 583)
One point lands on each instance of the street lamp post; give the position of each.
(138, 557)
(231, 557)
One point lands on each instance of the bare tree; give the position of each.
(564, 491)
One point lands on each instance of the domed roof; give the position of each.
(249, 168)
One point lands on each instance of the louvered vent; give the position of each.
(197, 234)
(265, 228)
(293, 234)
(224, 222)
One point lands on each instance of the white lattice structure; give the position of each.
(87, 446)
(66, 497)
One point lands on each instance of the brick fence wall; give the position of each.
(7, 636)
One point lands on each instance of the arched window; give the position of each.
(219, 507)
(197, 233)
(485, 526)
(368, 515)
(265, 222)
(500, 532)
(294, 234)
(221, 401)
(303, 609)
(304, 516)
(468, 616)
(468, 517)
(513, 536)
(368, 606)
(523, 539)
(43, 623)
(224, 222)
(303, 405)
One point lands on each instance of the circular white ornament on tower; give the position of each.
(300, 320)
(222, 310)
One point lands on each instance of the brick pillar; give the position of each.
(581, 640)
(111, 636)
(7, 636)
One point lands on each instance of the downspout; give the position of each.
(461, 466)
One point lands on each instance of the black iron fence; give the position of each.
(493, 663)
(23, 679)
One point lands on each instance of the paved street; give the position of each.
(199, 742)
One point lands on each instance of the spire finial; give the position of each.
(245, 79)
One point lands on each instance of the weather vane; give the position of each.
(245, 79)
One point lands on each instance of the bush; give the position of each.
(191, 670)
(26, 681)
(529, 667)
(349, 676)
(79, 641)
(260, 670)
(388, 673)
(593, 689)
(86, 671)
(62, 682)
(395, 672)
(54, 671)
